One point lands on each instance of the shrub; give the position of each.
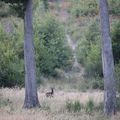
(91, 7)
(52, 50)
(116, 41)
(69, 105)
(73, 106)
(97, 83)
(118, 104)
(46, 5)
(77, 106)
(11, 51)
(89, 50)
(93, 61)
(4, 10)
(83, 8)
(117, 70)
(116, 50)
(114, 7)
(90, 106)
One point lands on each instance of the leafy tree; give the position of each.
(51, 47)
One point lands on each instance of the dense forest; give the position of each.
(69, 46)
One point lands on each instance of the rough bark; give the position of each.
(31, 97)
(107, 61)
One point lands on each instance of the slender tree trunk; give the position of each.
(31, 97)
(107, 61)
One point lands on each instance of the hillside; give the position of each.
(67, 41)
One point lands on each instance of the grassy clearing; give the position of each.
(11, 101)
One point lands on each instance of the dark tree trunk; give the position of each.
(31, 97)
(107, 61)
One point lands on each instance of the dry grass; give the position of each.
(51, 108)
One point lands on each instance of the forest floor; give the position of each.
(51, 108)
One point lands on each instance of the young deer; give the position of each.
(51, 93)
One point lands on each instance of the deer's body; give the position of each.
(51, 93)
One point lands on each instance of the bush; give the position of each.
(93, 61)
(84, 8)
(73, 106)
(52, 50)
(118, 104)
(114, 7)
(91, 7)
(116, 41)
(4, 10)
(117, 70)
(11, 51)
(90, 106)
(96, 83)
(89, 50)
(46, 5)
(116, 50)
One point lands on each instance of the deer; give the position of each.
(51, 93)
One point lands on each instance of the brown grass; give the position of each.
(51, 108)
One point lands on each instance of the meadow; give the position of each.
(54, 108)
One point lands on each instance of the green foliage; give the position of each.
(84, 7)
(92, 83)
(91, 7)
(118, 103)
(4, 10)
(90, 106)
(89, 50)
(17, 6)
(117, 69)
(11, 51)
(93, 58)
(93, 61)
(97, 83)
(116, 50)
(13, 1)
(77, 106)
(73, 106)
(46, 5)
(52, 50)
(114, 7)
(116, 41)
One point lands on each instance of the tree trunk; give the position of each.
(31, 97)
(107, 61)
